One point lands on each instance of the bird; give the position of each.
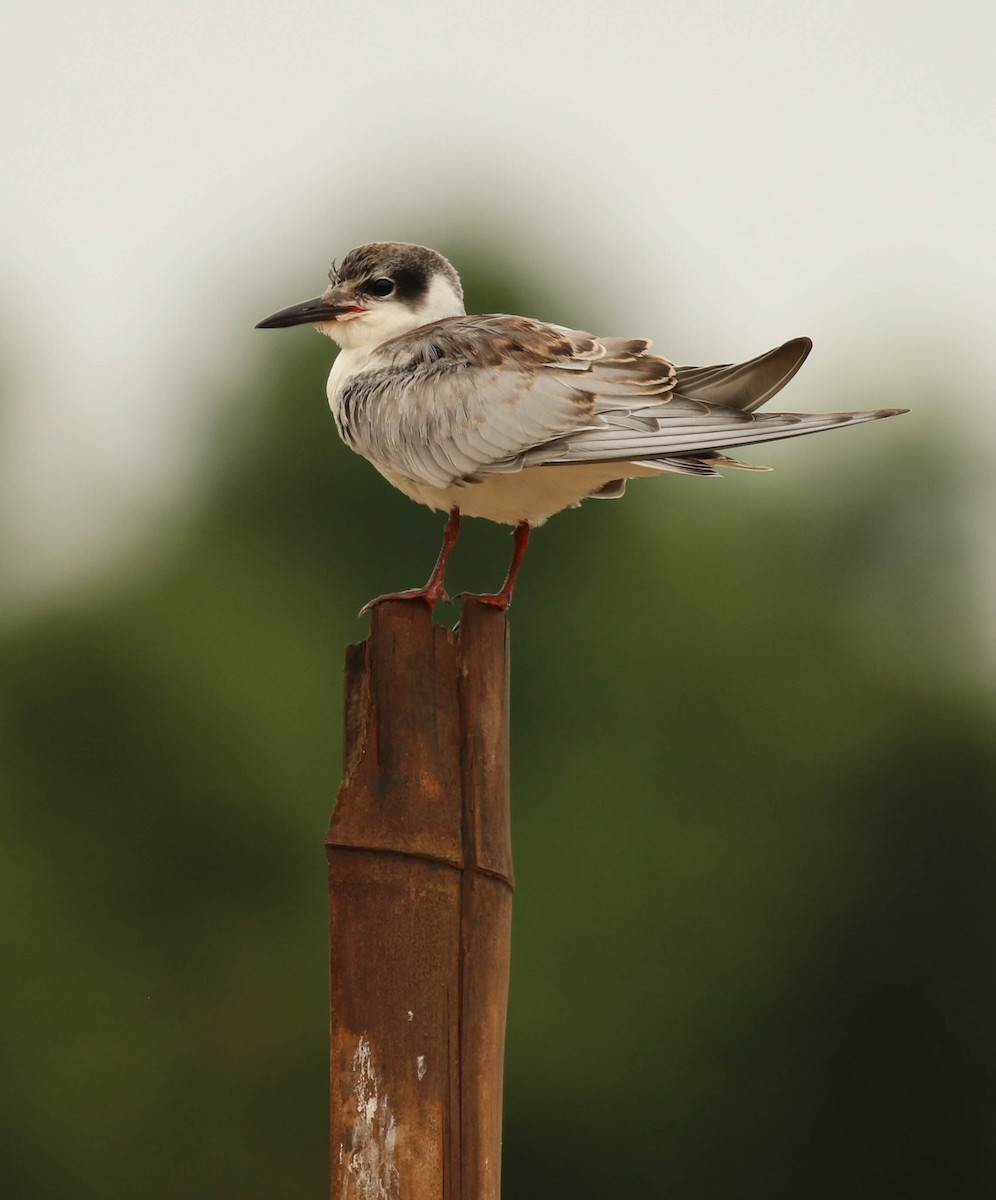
(514, 419)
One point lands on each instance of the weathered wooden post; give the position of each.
(420, 900)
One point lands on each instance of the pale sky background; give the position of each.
(719, 176)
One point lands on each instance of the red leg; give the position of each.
(503, 598)
(433, 589)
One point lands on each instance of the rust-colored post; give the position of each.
(420, 903)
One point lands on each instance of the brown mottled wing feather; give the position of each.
(468, 397)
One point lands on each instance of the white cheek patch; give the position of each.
(390, 318)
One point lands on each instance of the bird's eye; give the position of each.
(380, 287)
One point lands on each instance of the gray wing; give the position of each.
(469, 397)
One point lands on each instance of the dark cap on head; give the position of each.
(411, 268)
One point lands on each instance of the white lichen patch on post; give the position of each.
(420, 1067)
(371, 1173)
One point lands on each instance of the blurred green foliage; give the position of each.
(753, 815)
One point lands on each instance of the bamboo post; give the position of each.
(420, 898)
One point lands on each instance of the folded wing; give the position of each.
(469, 397)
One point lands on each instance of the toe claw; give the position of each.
(430, 595)
(491, 599)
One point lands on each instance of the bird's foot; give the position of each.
(431, 595)
(502, 599)
(493, 599)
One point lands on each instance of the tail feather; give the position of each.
(748, 385)
(690, 443)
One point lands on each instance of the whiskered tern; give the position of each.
(513, 419)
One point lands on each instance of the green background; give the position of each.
(754, 774)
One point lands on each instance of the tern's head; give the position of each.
(380, 291)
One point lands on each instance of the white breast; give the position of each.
(347, 363)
